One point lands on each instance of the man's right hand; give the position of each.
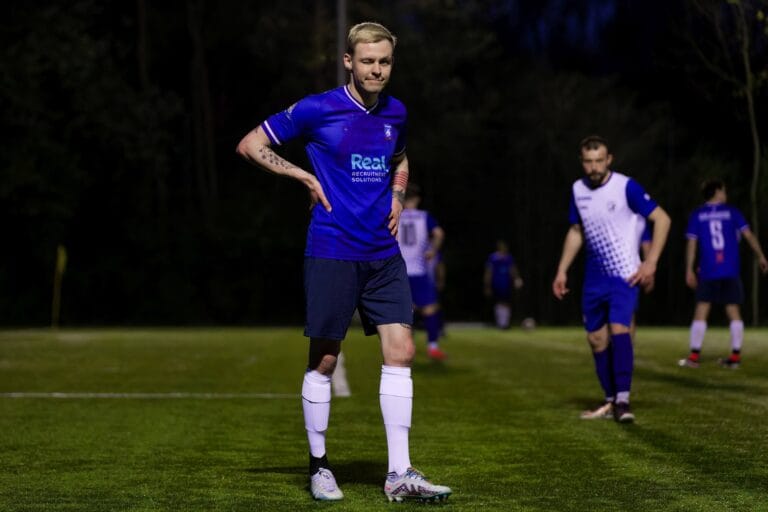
(316, 193)
(559, 288)
(691, 280)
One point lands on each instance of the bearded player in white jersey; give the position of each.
(605, 215)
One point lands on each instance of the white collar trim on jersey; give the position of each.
(356, 102)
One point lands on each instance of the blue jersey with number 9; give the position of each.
(717, 229)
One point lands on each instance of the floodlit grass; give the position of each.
(498, 422)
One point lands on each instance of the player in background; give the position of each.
(339, 382)
(420, 238)
(604, 210)
(437, 271)
(354, 136)
(501, 276)
(714, 231)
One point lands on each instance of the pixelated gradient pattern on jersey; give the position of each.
(606, 252)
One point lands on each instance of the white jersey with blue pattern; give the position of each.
(612, 217)
(413, 235)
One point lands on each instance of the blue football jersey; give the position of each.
(501, 266)
(612, 217)
(717, 229)
(350, 148)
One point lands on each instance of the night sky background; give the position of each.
(120, 121)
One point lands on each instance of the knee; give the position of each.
(431, 309)
(598, 341)
(327, 364)
(402, 353)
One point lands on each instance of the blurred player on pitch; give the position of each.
(715, 229)
(604, 211)
(354, 136)
(501, 276)
(420, 238)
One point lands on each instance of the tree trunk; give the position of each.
(202, 115)
(749, 89)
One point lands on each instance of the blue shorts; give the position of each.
(720, 291)
(333, 289)
(609, 301)
(502, 294)
(423, 290)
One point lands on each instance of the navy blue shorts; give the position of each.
(333, 289)
(720, 291)
(423, 290)
(502, 294)
(609, 301)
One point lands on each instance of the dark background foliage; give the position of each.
(120, 121)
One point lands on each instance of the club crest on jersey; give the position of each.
(387, 132)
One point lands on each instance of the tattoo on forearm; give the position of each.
(269, 157)
(399, 195)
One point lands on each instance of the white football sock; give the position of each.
(622, 396)
(316, 400)
(502, 315)
(396, 399)
(339, 382)
(737, 334)
(698, 329)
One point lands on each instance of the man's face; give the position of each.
(370, 65)
(596, 163)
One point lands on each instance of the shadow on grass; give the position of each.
(741, 474)
(437, 368)
(283, 470)
(582, 402)
(685, 379)
(354, 471)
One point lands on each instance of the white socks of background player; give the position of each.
(503, 313)
(698, 329)
(396, 398)
(737, 335)
(316, 400)
(339, 382)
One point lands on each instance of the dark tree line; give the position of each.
(120, 122)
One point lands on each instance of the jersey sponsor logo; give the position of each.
(367, 163)
(611, 206)
(369, 169)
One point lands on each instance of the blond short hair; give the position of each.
(368, 32)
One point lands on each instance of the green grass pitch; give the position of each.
(210, 420)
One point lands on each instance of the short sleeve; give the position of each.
(295, 121)
(401, 136)
(573, 212)
(739, 221)
(638, 199)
